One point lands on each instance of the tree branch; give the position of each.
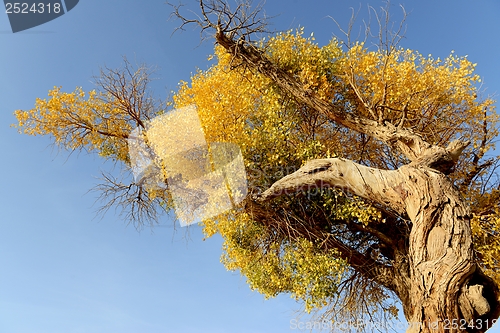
(292, 227)
(365, 265)
(233, 30)
(376, 185)
(410, 144)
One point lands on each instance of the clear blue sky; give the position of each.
(62, 270)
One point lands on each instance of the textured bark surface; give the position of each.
(440, 249)
(439, 289)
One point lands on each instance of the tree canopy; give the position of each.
(301, 109)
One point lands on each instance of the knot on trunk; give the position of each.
(472, 303)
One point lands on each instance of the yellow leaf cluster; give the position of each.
(486, 237)
(76, 121)
(313, 66)
(296, 267)
(350, 210)
(435, 97)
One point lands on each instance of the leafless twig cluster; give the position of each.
(240, 23)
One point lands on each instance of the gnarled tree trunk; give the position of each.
(440, 286)
(440, 255)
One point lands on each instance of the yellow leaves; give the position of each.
(297, 267)
(351, 210)
(404, 84)
(315, 274)
(97, 121)
(486, 236)
(223, 100)
(312, 65)
(76, 122)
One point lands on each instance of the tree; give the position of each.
(368, 170)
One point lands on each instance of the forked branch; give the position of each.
(240, 23)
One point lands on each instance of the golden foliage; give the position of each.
(437, 99)
(298, 267)
(76, 122)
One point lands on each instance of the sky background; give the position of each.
(62, 269)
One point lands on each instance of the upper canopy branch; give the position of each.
(233, 29)
(408, 143)
(240, 23)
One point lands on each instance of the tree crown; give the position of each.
(387, 107)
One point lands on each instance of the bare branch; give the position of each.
(240, 23)
(127, 89)
(234, 38)
(348, 33)
(132, 201)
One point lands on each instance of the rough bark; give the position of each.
(441, 289)
(440, 251)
